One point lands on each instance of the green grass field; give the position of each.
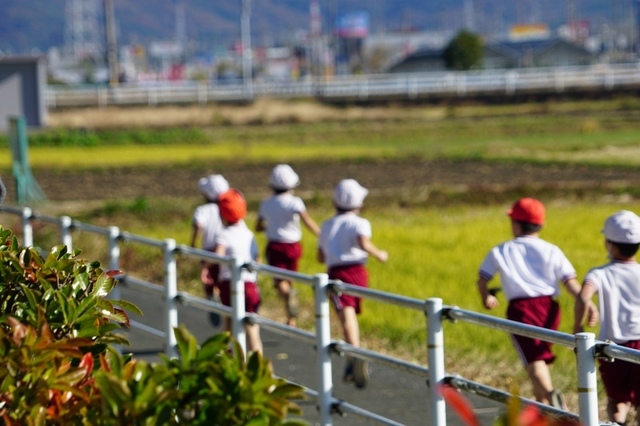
(596, 133)
(435, 251)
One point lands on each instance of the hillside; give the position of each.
(39, 24)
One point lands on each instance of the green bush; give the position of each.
(58, 365)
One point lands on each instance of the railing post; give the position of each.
(435, 358)
(65, 232)
(587, 379)
(114, 256)
(323, 343)
(237, 304)
(171, 293)
(27, 229)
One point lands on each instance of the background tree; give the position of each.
(464, 51)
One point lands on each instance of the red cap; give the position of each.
(233, 206)
(527, 210)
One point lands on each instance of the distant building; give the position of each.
(22, 90)
(549, 52)
(527, 53)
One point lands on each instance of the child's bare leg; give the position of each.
(538, 372)
(254, 342)
(617, 411)
(350, 326)
(287, 293)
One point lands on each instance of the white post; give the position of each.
(237, 304)
(435, 358)
(65, 232)
(171, 292)
(323, 343)
(587, 379)
(27, 229)
(114, 256)
(245, 29)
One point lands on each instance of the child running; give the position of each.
(237, 240)
(530, 271)
(617, 285)
(279, 215)
(344, 246)
(207, 225)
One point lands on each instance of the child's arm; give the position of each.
(309, 223)
(320, 255)
(489, 301)
(581, 309)
(260, 224)
(194, 234)
(369, 247)
(221, 250)
(590, 314)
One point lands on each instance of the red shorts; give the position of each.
(209, 277)
(251, 295)
(284, 255)
(541, 311)
(349, 274)
(621, 379)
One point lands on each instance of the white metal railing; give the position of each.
(584, 344)
(378, 86)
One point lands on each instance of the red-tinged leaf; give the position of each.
(46, 334)
(87, 364)
(19, 330)
(104, 364)
(114, 273)
(531, 416)
(459, 404)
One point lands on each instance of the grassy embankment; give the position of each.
(434, 251)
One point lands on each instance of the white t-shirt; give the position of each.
(207, 218)
(528, 267)
(618, 286)
(238, 242)
(282, 214)
(340, 239)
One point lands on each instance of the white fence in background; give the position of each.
(356, 88)
(584, 344)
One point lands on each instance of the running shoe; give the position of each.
(360, 373)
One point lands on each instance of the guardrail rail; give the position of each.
(584, 344)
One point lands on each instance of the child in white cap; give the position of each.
(207, 225)
(344, 246)
(530, 272)
(617, 285)
(280, 215)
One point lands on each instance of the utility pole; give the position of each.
(245, 27)
(112, 49)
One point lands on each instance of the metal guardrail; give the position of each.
(366, 87)
(584, 344)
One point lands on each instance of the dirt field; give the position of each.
(413, 180)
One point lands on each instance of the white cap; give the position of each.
(212, 186)
(283, 177)
(622, 227)
(349, 194)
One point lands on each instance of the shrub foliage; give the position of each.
(58, 365)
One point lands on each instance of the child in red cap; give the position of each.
(238, 241)
(530, 272)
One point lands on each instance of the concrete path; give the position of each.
(394, 394)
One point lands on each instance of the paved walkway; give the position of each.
(394, 394)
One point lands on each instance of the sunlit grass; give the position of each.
(597, 138)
